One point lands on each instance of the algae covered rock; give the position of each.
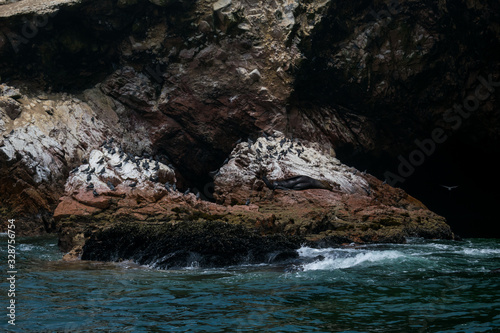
(204, 244)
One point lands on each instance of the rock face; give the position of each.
(50, 135)
(357, 208)
(185, 244)
(111, 174)
(186, 80)
(279, 157)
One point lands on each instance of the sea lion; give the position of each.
(297, 183)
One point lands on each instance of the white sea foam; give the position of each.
(27, 247)
(309, 252)
(479, 252)
(344, 258)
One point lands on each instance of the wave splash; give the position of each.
(332, 259)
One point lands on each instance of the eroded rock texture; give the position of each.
(353, 207)
(187, 80)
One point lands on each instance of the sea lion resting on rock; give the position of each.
(297, 183)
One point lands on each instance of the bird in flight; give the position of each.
(449, 188)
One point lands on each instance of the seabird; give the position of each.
(86, 170)
(103, 144)
(198, 196)
(449, 188)
(102, 171)
(91, 170)
(239, 140)
(134, 184)
(89, 177)
(90, 186)
(95, 193)
(174, 187)
(367, 191)
(110, 141)
(213, 174)
(250, 142)
(119, 165)
(75, 170)
(153, 179)
(101, 160)
(225, 161)
(187, 191)
(157, 166)
(167, 187)
(111, 186)
(248, 202)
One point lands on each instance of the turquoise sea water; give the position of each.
(422, 286)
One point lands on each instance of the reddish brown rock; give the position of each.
(359, 209)
(68, 207)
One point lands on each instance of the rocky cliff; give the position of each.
(181, 82)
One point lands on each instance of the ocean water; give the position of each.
(421, 286)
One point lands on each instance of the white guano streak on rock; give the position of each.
(43, 141)
(128, 172)
(244, 164)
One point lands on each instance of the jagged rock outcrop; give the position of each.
(186, 97)
(51, 134)
(110, 174)
(187, 79)
(356, 207)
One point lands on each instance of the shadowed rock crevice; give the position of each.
(78, 45)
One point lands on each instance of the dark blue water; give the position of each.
(422, 286)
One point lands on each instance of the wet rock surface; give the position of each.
(185, 244)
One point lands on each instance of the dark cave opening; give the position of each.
(470, 208)
(412, 106)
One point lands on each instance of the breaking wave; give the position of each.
(331, 259)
